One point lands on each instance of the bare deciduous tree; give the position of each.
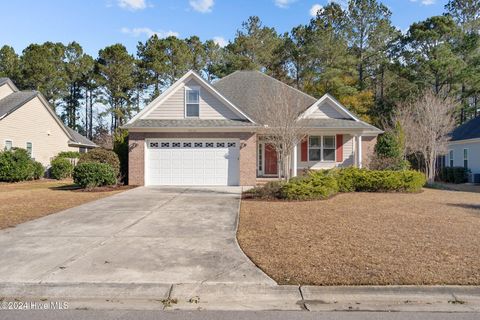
(427, 123)
(278, 113)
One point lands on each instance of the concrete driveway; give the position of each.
(145, 235)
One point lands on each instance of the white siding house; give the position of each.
(464, 148)
(27, 121)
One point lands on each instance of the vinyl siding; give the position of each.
(33, 123)
(348, 157)
(325, 111)
(174, 106)
(5, 90)
(473, 155)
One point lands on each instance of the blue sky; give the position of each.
(98, 23)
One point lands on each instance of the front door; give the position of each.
(270, 160)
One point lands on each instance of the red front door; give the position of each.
(270, 160)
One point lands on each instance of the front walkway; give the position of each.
(144, 235)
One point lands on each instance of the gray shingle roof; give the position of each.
(468, 130)
(189, 123)
(340, 124)
(79, 139)
(250, 90)
(14, 101)
(17, 99)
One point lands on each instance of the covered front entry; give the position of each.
(267, 160)
(192, 162)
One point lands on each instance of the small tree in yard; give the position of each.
(427, 123)
(279, 114)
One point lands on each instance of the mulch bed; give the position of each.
(430, 238)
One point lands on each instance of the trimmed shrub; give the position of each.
(94, 174)
(317, 185)
(69, 154)
(364, 180)
(38, 170)
(453, 175)
(16, 165)
(323, 184)
(100, 155)
(61, 168)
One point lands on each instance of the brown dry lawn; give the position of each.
(23, 201)
(432, 237)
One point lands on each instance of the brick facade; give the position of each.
(248, 149)
(368, 149)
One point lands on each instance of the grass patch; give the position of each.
(24, 201)
(427, 238)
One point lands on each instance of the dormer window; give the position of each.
(192, 103)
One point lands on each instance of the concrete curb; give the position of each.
(240, 297)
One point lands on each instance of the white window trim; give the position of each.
(451, 157)
(5, 144)
(185, 100)
(468, 155)
(321, 148)
(26, 148)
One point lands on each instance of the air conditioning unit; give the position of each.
(476, 178)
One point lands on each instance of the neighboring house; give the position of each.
(28, 121)
(464, 147)
(196, 133)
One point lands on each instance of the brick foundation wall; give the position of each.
(248, 152)
(368, 149)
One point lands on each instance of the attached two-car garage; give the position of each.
(192, 162)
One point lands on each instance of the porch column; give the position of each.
(359, 151)
(294, 161)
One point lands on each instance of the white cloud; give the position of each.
(220, 41)
(283, 3)
(132, 4)
(314, 9)
(425, 2)
(137, 32)
(202, 6)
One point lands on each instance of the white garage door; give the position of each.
(192, 162)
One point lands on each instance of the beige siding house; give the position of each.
(27, 121)
(197, 133)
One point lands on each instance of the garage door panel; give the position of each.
(192, 162)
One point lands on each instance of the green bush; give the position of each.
(120, 147)
(323, 184)
(94, 174)
(317, 185)
(453, 174)
(364, 180)
(61, 168)
(100, 155)
(388, 145)
(16, 165)
(38, 170)
(69, 154)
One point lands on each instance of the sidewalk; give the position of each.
(248, 297)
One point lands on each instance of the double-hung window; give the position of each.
(450, 158)
(321, 148)
(465, 158)
(314, 148)
(29, 148)
(8, 145)
(192, 102)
